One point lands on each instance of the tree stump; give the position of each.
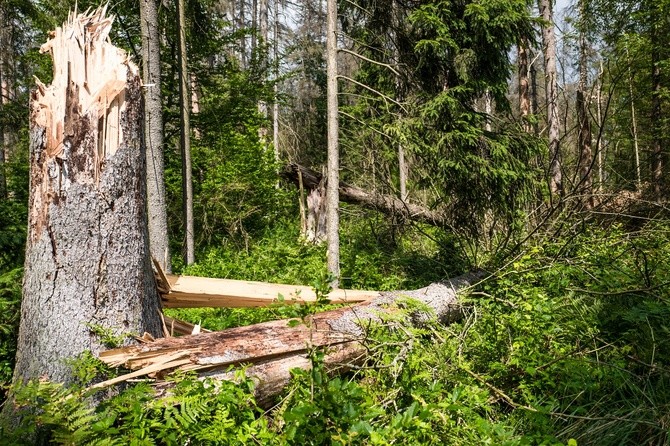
(87, 266)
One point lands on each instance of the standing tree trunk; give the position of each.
(555, 178)
(185, 137)
(87, 255)
(275, 105)
(534, 103)
(153, 134)
(262, 104)
(584, 124)
(633, 119)
(7, 137)
(333, 181)
(599, 116)
(656, 113)
(524, 86)
(396, 23)
(243, 36)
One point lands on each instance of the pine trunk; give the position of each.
(584, 123)
(87, 261)
(262, 104)
(555, 178)
(185, 138)
(656, 113)
(524, 86)
(332, 190)
(7, 137)
(153, 134)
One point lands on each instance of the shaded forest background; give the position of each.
(559, 192)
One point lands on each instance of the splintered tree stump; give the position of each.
(270, 350)
(87, 265)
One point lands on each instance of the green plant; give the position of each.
(107, 335)
(10, 299)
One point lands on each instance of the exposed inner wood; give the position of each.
(198, 292)
(87, 98)
(189, 291)
(271, 349)
(99, 86)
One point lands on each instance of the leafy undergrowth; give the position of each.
(568, 344)
(10, 298)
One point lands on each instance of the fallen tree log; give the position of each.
(270, 350)
(388, 204)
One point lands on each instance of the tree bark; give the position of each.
(387, 204)
(87, 255)
(153, 134)
(315, 228)
(633, 121)
(270, 350)
(583, 121)
(656, 112)
(275, 105)
(332, 189)
(7, 76)
(555, 176)
(185, 137)
(262, 104)
(524, 86)
(534, 103)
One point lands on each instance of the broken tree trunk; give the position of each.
(387, 204)
(270, 350)
(201, 292)
(87, 264)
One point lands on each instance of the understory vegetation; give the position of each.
(567, 343)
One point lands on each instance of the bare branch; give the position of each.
(376, 62)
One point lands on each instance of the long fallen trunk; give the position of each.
(388, 204)
(270, 350)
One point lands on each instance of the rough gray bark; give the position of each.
(333, 175)
(555, 177)
(153, 134)
(185, 137)
(87, 255)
